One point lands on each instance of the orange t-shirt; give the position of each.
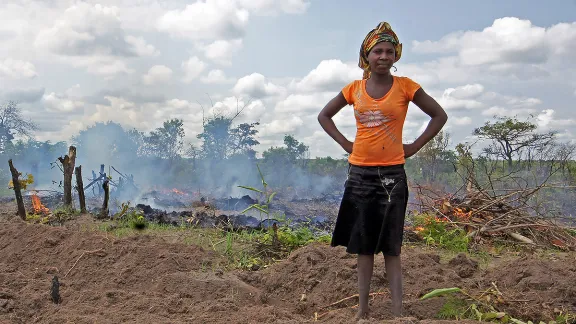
(379, 122)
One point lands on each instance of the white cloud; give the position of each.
(216, 77)
(508, 42)
(16, 69)
(192, 68)
(329, 74)
(205, 20)
(86, 30)
(507, 112)
(157, 74)
(466, 92)
(255, 85)
(273, 7)
(88, 36)
(251, 110)
(546, 119)
(281, 126)
(222, 19)
(104, 66)
(141, 47)
(304, 103)
(221, 51)
(62, 103)
(461, 97)
(461, 121)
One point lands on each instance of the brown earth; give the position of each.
(155, 279)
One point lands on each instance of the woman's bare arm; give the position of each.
(438, 118)
(325, 119)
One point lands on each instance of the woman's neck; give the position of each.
(381, 78)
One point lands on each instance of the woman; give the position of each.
(373, 208)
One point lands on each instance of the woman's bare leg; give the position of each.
(394, 276)
(365, 269)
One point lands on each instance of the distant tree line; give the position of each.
(224, 155)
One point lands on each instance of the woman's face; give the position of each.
(382, 57)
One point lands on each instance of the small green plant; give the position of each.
(139, 222)
(132, 219)
(479, 310)
(267, 197)
(23, 182)
(290, 238)
(437, 232)
(453, 308)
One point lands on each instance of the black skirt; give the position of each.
(372, 211)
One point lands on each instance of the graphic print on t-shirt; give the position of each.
(376, 121)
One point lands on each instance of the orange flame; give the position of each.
(461, 214)
(37, 205)
(178, 191)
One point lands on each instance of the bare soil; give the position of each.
(154, 279)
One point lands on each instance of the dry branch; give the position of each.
(80, 189)
(489, 215)
(106, 187)
(17, 192)
(68, 162)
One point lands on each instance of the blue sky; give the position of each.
(73, 63)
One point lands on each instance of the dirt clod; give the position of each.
(464, 266)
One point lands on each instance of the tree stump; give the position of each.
(68, 166)
(106, 187)
(16, 181)
(80, 189)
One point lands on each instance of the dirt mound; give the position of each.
(155, 279)
(137, 279)
(534, 286)
(316, 276)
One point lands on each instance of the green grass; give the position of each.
(441, 234)
(246, 249)
(454, 308)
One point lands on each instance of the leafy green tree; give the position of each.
(108, 141)
(435, 157)
(243, 139)
(12, 124)
(511, 138)
(166, 142)
(220, 140)
(290, 154)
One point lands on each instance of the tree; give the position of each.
(296, 150)
(167, 141)
(243, 139)
(216, 137)
(434, 155)
(13, 124)
(194, 153)
(512, 138)
(220, 140)
(106, 141)
(290, 154)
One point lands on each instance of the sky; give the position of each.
(70, 64)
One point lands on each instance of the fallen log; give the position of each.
(68, 162)
(80, 189)
(17, 192)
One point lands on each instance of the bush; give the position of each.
(440, 233)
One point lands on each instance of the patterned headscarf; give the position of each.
(382, 33)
